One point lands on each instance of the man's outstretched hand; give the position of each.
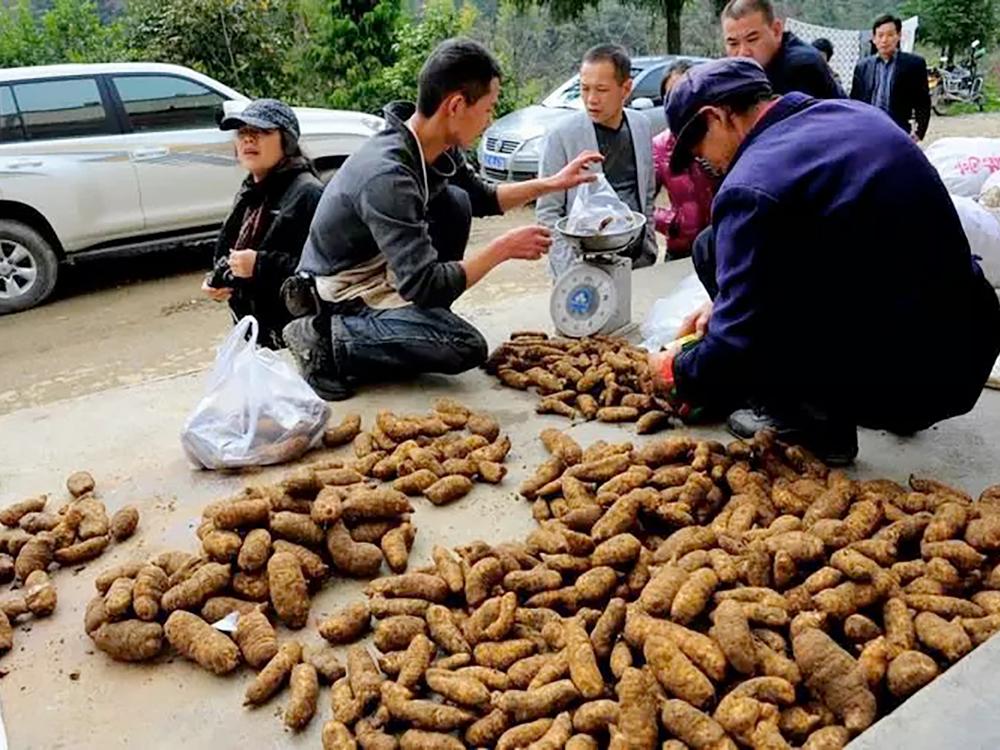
(524, 243)
(576, 172)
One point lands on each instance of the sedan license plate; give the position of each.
(494, 162)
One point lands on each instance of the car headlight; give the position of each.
(531, 147)
(374, 124)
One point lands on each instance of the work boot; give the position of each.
(315, 359)
(835, 442)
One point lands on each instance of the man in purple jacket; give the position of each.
(842, 282)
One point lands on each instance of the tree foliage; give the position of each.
(353, 40)
(390, 72)
(669, 10)
(954, 24)
(857, 14)
(360, 54)
(537, 53)
(244, 43)
(68, 31)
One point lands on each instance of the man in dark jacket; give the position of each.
(750, 28)
(841, 268)
(262, 238)
(893, 80)
(386, 247)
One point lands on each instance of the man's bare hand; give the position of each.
(219, 295)
(576, 172)
(696, 322)
(242, 263)
(525, 243)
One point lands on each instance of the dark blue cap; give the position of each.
(264, 114)
(704, 85)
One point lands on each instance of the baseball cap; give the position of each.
(264, 114)
(707, 84)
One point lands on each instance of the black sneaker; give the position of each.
(834, 442)
(315, 360)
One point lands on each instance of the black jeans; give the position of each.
(371, 344)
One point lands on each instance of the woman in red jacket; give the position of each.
(690, 192)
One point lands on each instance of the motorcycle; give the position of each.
(950, 84)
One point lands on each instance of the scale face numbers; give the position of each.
(583, 300)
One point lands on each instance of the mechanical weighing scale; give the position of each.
(594, 295)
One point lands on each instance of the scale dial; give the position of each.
(583, 300)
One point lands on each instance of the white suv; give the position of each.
(123, 158)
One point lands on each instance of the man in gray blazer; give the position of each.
(623, 137)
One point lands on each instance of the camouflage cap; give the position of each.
(264, 114)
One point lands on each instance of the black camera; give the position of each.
(300, 296)
(222, 276)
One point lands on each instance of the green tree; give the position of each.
(669, 10)
(243, 43)
(954, 24)
(69, 31)
(440, 20)
(856, 14)
(353, 40)
(536, 54)
(370, 52)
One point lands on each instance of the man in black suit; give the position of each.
(893, 80)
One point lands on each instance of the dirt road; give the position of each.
(128, 321)
(133, 320)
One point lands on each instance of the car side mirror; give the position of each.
(642, 103)
(220, 114)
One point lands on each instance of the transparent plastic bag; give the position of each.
(597, 209)
(665, 317)
(257, 410)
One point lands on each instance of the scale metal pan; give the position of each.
(604, 244)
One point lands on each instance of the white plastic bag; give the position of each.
(983, 231)
(989, 193)
(665, 318)
(597, 209)
(257, 410)
(965, 163)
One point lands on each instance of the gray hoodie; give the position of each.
(369, 237)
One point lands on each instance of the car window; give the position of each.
(648, 85)
(157, 102)
(10, 119)
(61, 108)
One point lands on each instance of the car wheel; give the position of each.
(28, 267)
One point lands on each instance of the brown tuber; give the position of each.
(201, 643)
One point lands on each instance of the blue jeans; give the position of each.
(369, 344)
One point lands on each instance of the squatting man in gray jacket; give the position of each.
(387, 243)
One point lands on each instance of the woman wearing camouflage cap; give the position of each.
(262, 238)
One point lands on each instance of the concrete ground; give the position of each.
(57, 692)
